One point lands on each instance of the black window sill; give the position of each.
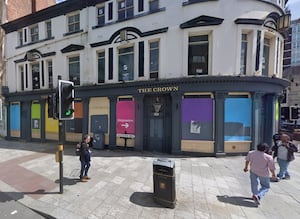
(74, 32)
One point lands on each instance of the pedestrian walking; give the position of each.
(85, 158)
(284, 151)
(260, 165)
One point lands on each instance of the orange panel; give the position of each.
(78, 110)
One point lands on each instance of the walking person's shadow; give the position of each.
(237, 200)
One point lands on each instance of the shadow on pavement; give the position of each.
(144, 199)
(237, 200)
(11, 201)
(68, 181)
(10, 196)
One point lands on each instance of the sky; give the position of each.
(294, 6)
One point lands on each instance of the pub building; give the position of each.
(190, 76)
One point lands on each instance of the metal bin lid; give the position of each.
(164, 162)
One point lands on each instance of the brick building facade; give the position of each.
(16, 9)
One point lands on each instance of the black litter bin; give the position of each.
(164, 182)
(98, 141)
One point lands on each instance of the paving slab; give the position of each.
(122, 185)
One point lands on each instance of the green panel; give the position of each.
(36, 111)
(35, 117)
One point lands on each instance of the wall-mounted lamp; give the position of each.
(283, 22)
(156, 106)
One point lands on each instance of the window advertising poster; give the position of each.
(126, 118)
(197, 119)
(237, 125)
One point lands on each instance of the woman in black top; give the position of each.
(85, 158)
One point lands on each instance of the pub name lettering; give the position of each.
(158, 89)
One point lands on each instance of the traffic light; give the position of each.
(285, 113)
(52, 106)
(295, 112)
(66, 99)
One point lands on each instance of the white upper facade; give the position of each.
(114, 41)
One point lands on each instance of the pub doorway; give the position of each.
(157, 123)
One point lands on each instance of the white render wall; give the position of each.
(224, 41)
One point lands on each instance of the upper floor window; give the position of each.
(140, 5)
(244, 47)
(20, 37)
(126, 64)
(101, 67)
(34, 33)
(101, 15)
(21, 70)
(265, 59)
(198, 55)
(74, 69)
(110, 11)
(48, 30)
(73, 23)
(153, 5)
(125, 9)
(50, 73)
(35, 70)
(154, 57)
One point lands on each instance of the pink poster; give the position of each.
(125, 118)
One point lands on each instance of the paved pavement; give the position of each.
(122, 186)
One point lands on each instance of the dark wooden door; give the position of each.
(157, 126)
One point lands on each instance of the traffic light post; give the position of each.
(61, 106)
(66, 100)
(65, 112)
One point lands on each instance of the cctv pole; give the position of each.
(61, 138)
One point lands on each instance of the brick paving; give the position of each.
(122, 185)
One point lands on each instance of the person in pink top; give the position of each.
(260, 165)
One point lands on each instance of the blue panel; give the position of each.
(15, 118)
(238, 114)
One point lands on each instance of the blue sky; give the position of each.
(294, 6)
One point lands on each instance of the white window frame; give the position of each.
(105, 13)
(30, 73)
(208, 48)
(272, 51)
(34, 36)
(74, 23)
(68, 62)
(158, 58)
(105, 66)
(20, 37)
(48, 31)
(134, 52)
(251, 51)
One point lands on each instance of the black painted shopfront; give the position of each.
(188, 115)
